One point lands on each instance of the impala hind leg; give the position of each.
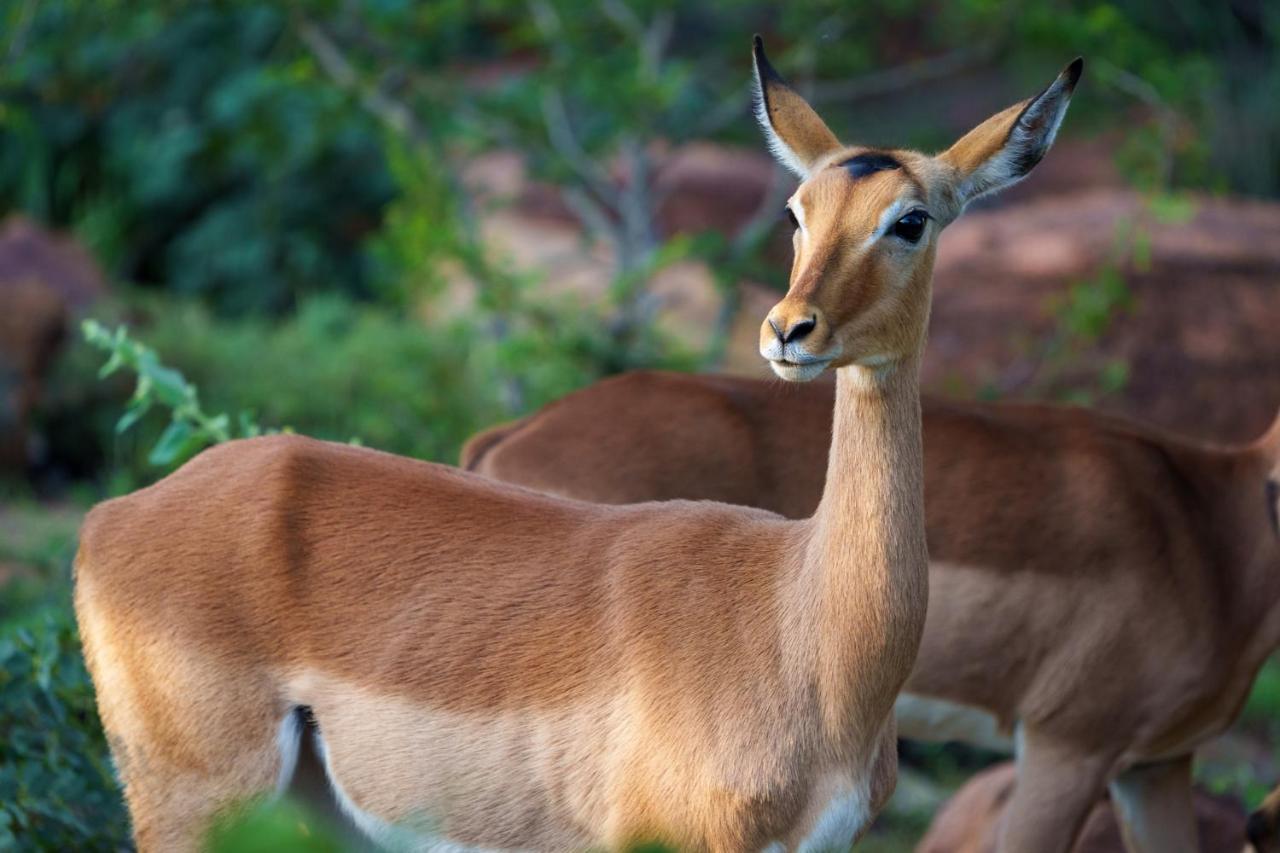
(1056, 789)
(190, 734)
(1154, 807)
(175, 792)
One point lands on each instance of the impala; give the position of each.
(489, 666)
(969, 821)
(1103, 591)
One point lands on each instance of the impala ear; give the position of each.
(1003, 149)
(797, 137)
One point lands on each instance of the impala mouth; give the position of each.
(798, 370)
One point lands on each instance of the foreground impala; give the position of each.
(1104, 590)
(504, 669)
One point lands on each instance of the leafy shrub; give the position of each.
(57, 788)
(188, 146)
(272, 827)
(190, 427)
(337, 370)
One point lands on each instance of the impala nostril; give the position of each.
(800, 330)
(777, 331)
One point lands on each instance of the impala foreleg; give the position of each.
(1154, 807)
(1056, 789)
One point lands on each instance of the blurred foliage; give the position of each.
(189, 146)
(190, 428)
(272, 827)
(334, 370)
(243, 151)
(57, 788)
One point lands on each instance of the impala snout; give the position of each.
(796, 340)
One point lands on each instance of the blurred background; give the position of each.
(397, 222)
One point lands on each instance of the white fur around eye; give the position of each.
(892, 214)
(797, 210)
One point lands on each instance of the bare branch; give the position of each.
(566, 145)
(592, 216)
(766, 214)
(1142, 90)
(654, 43)
(21, 28)
(624, 17)
(904, 76)
(389, 111)
(636, 207)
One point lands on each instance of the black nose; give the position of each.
(797, 331)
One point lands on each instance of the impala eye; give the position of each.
(791, 215)
(911, 226)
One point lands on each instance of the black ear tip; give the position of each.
(763, 65)
(1074, 70)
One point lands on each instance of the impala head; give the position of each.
(867, 223)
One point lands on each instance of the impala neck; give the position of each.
(867, 558)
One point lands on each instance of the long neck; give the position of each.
(866, 560)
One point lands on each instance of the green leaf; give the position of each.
(173, 442)
(113, 364)
(171, 387)
(248, 426)
(133, 415)
(219, 428)
(95, 333)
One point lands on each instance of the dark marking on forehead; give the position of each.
(861, 165)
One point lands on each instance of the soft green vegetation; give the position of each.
(57, 787)
(276, 827)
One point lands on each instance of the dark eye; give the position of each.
(911, 226)
(795, 223)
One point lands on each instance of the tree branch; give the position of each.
(334, 62)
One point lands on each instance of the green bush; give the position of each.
(337, 370)
(57, 788)
(277, 826)
(190, 148)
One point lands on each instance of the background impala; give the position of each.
(1065, 546)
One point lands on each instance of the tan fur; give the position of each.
(969, 821)
(506, 669)
(1113, 588)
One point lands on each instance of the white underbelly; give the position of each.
(417, 778)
